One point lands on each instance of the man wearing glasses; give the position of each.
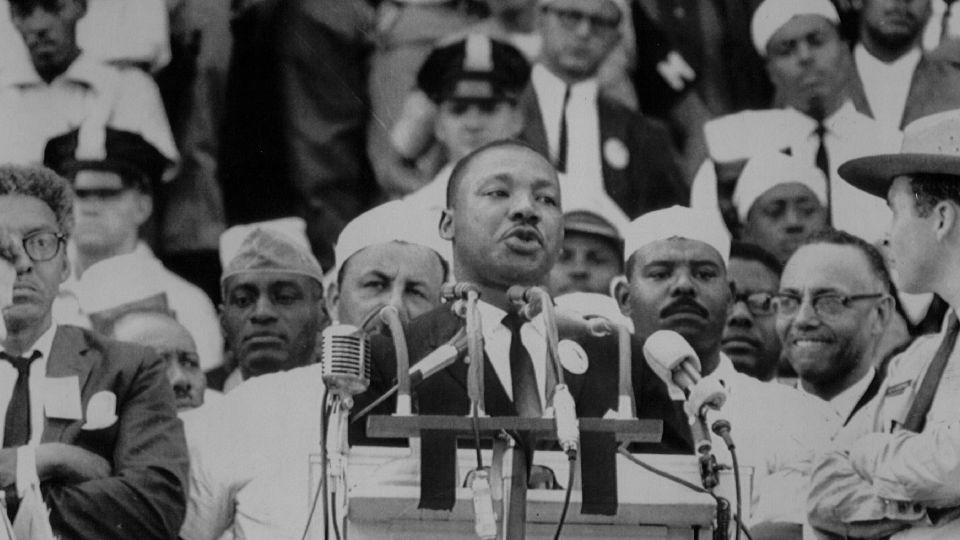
(833, 308)
(587, 136)
(89, 422)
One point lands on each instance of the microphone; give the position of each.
(345, 358)
(390, 316)
(570, 324)
(458, 291)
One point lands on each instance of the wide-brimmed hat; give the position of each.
(931, 145)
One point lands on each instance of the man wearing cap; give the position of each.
(273, 310)
(592, 252)
(389, 255)
(895, 81)
(474, 84)
(585, 134)
(815, 120)
(895, 466)
(114, 199)
(780, 201)
(677, 280)
(90, 424)
(61, 88)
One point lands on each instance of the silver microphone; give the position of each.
(345, 356)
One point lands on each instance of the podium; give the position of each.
(384, 493)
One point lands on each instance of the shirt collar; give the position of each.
(83, 71)
(491, 319)
(580, 90)
(905, 64)
(44, 343)
(844, 402)
(835, 121)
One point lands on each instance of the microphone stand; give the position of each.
(391, 317)
(337, 448)
(626, 408)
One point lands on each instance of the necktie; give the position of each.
(16, 431)
(917, 415)
(823, 163)
(562, 145)
(945, 22)
(526, 398)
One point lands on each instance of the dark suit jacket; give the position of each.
(649, 181)
(935, 87)
(146, 495)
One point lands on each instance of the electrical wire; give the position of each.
(333, 506)
(476, 434)
(321, 486)
(736, 482)
(566, 497)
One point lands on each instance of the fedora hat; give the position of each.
(931, 145)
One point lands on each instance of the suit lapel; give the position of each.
(67, 359)
(533, 132)
(857, 94)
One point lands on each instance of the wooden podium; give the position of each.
(385, 490)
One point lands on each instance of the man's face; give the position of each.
(577, 36)
(463, 126)
(894, 23)
(783, 217)
(828, 348)
(406, 276)
(271, 321)
(37, 283)
(173, 343)
(680, 285)
(49, 31)
(108, 214)
(506, 224)
(807, 63)
(749, 338)
(912, 246)
(588, 263)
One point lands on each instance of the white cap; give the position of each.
(772, 14)
(675, 222)
(294, 228)
(599, 204)
(118, 281)
(395, 221)
(621, 5)
(765, 171)
(739, 136)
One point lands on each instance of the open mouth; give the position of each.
(524, 239)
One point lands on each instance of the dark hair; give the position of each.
(753, 252)
(460, 168)
(444, 266)
(44, 184)
(878, 264)
(27, 6)
(929, 189)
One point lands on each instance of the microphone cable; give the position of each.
(566, 497)
(722, 428)
(321, 486)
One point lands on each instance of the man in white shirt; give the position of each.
(895, 82)
(833, 307)
(114, 199)
(61, 88)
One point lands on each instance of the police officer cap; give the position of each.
(476, 69)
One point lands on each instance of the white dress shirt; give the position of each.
(38, 377)
(496, 343)
(844, 402)
(886, 84)
(583, 124)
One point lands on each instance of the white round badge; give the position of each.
(616, 153)
(572, 357)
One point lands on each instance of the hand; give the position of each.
(69, 464)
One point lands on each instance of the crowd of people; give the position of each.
(192, 191)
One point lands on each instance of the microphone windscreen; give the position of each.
(345, 358)
(517, 294)
(665, 351)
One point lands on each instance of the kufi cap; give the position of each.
(230, 241)
(476, 68)
(675, 222)
(265, 250)
(395, 221)
(597, 215)
(128, 154)
(116, 282)
(772, 14)
(739, 136)
(930, 145)
(765, 171)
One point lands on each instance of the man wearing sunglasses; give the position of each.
(832, 309)
(88, 421)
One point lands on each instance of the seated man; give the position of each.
(61, 88)
(108, 454)
(750, 335)
(114, 200)
(173, 343)
(592, 247)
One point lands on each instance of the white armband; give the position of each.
(26, 469)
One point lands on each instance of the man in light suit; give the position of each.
(88, 420)
(588, 136)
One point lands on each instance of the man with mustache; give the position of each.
(677, 280)
(894, 80)
(833, 307)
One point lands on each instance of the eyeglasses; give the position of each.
(570, 19)
(760, 304)
(104, 194)
(43, 246)
(824, 305)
